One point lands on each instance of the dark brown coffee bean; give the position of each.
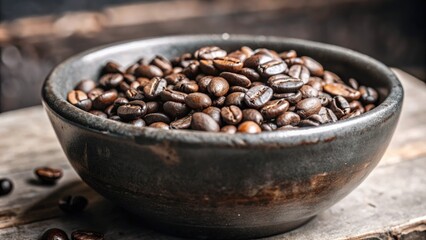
(315, 68)
(142, 82)
(207, 67)
(85, 105)
(86, 85)
(256, 60)
(252, 115)
(152, 107)
(257, 84)
(48, 175)
(154, 87)
(288, 54)
(218, 87)
(219, 102)
(284, 83)
(316, 83)
(133, 94)
(124, 86)
(148, 71)
(138, 123)
(353, 83)
(274, 108)
(338, 89)
(175, 78)
(356, 105)
(156, 117)
(369, 107)
(183, 123)
(131, 69)
(192, 69)
(187, 86)
(249, 127)
(292, 98)
(247, 51)
(120, 101)
(172, 95)
(160, 125)
(228, 64)
(368, 95)
(163, 64)
(236, 79)
(331, 77)
(203, 83)
(257, 96)
(308, 91)
(198, 101)
(287, 127)
(210, 53)
(6, 186)
(327, 115)
(312, 121)
(250, 74)
(203, 122)
(111, 67)
(234, 89)
(75, 96)
(268, 52)
(136, 85)
(111, 80)
(73, 204)
(236, 98)
(86, 235)
(98, 113)
(351, 115)
(175, 109)
(325, 98)
(340, 106)
(237, 55)
(231, 129)
(54, 234)
(300, 72)
(231, 115)
(132, 110)
(105, 99)
(272, 68)
(288, 118)
(267, 127)
(294, 61)
(308, 107)
(214, 112)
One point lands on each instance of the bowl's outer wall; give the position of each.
(241, 185)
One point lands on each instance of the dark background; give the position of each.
(36, 35)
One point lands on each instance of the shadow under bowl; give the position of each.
(213, 185)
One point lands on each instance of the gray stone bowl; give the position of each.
(214, 185)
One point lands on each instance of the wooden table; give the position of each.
(389, 204)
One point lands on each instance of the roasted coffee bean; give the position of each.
(356, 105)
(6, 186)
(203, 122)
(339, 89)
(172, 95)
(203, 83)
(368, 95)
(156, 117)
(236, 79)
(120, 101)
(152, 107)
(238, 55)
(340, 106)
(257, 96)
(219, 102)
(351, 115)
(247, 51)
(175, 109)
(186, 86)
(274, 108)
(331, 77)
(210, 53)
(218, 87)
(308, 92)
(105, 99)
(132, 110)
(75, 96)
(252, 115)
(294, 61)
(368, 107)
(48, 175)
(284, 84)
(98, 113)
(272, 68)
(231, 129)
(249, 127)
(133, 94)
(324, 98)
(237, 89)
(267, 127)
(308, 107)
(236, 98)
(111, 67)
(292, 98)
(160, 125)
(131, 69)
(287, 127)
(255, 61)
(54, 234)
(214, 112)
(198, 101)
(316, 83)
(111, 80)
(315, 68)
(73, 204)
(257, 84)
(268, 52)
(86, 235)
(228, 64)
(300, 72)
(136, 85)
(327, 115)
(85, 105)
(94, 93)
(86, 85)
(192, 69)
(231, 115)
(199, 76)
(183, 123)
(250, 74)
(288, 54)
(154, 87)
(124, 86)
(312, 121)
(163, 64)
(288, 118)
(148, 71)
(353, 83)
(207, 67)
(138, 123)
(175, 78)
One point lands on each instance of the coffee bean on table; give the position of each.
(231, 115)
(258, 96)
(203, 122)
(73, 204)
(6, 186)
(249, 127)
(86, 235)
(48, 175)
(54, 234)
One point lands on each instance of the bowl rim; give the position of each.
(52, 100)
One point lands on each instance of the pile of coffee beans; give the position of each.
(246, 91)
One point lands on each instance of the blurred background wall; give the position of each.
(36, 35)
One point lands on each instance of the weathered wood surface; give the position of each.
(390, 204)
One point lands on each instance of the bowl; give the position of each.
(215, 185)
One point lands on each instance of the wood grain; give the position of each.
(390, 204)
